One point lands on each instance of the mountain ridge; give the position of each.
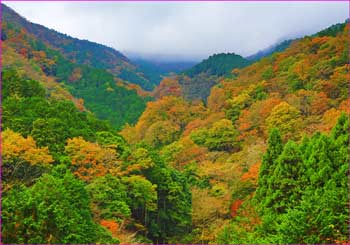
(82, 51)
(97, 88)
(250, 155)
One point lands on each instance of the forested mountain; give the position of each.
(97, 88)
(333, 30)
(196, 82)
(279, 47)
(218, 65)
(270, 50)
(268, 154)
(80, 179)
(263, 160)
(82, 52)
(155, 71)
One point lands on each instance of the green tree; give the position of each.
(220, 137)
(236, 105)
(51, 133)
(54, 210)
(172, 218)
(16, 86)
(114, 141)
(142, 195)
(109, 198)
(268, 166)
(286, 180)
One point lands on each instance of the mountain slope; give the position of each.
(196, 82)
(263, 161)
(330, 31)
(82, 52)
(59, 161)
(298, 95)
(97, 87)
(218, 65)
(68, 177)
(270, 50)
(156, 70)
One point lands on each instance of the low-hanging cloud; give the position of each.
(187, 30)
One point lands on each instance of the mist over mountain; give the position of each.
(103, 147)
(185, 29)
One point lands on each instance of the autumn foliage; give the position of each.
(89, 160)
(242, 163)
(15, 146)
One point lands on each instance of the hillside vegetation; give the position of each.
(241, 194)
(261, 158)
(97, 89)
(196, 82)
(82, 52)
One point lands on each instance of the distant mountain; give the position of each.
(333, 30)
(270, 50)
(197, 81)
(154, 71)
(218, 65)
(82, 52)
(279, 47)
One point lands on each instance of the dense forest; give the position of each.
(233, 152)
(98, 89)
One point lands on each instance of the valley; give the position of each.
(100, 148)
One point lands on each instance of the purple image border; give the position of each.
(183, 1)
(150, 1)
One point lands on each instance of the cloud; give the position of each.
(190, 30)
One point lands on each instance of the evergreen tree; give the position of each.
(54, 210)
(286, 184)
(268, 166)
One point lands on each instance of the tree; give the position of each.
(236, 105)
(54, 210)
(308, 202)
(138, 161)
(267, 168)
(286, 180)
(287, 119)
(22, 159)
(109, 199)
(319, 103)
(112, 141)
(142, 195)
(216, 99)
(90, 160)
(161, 133)
(253, 119)
(51, 133)
(173, 216)
(167, 111)
(221, 136)
(16, 86)
(183, 152)
(167, 87)
(321, 217)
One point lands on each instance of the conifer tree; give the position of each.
(268, 166)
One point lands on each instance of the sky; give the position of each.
(184, 30)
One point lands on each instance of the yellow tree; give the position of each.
(22, 159)
(287, 119)
(161, 133)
